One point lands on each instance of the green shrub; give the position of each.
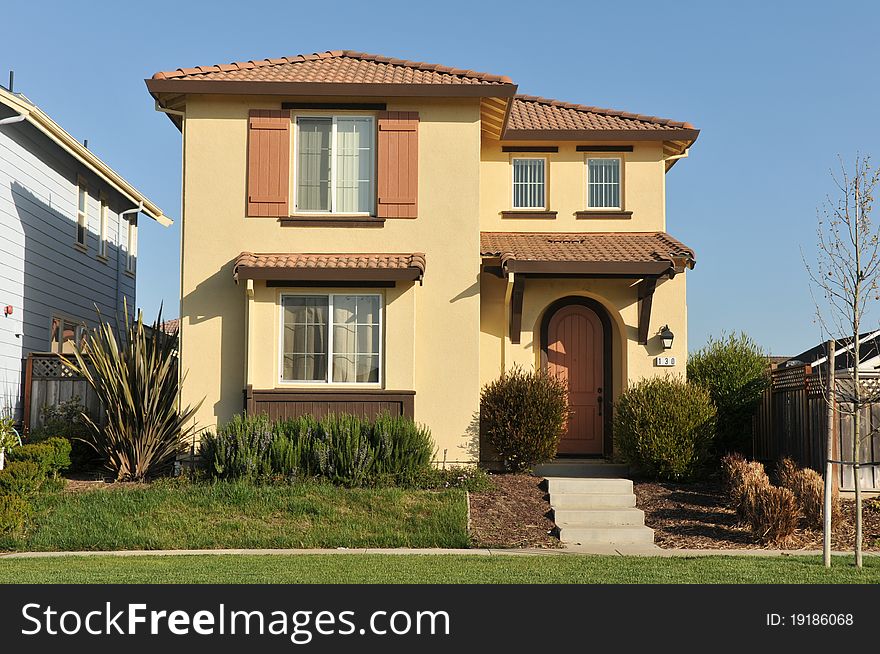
(52, 455)
(523, 415)
(343, 449)
(14, 512)
(735, 372)
(21, 478)
(664, 427)
(65, 420)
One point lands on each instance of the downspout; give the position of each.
(122, 265)
(676, 157)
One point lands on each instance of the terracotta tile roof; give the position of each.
(335, 66)
(170, 327)
(587, 248)
(533, 113)
(309, 264)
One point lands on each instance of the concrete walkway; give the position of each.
(649, 550)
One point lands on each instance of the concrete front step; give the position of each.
(581, 468)
(592, 500)
(563, 485)
(625, 535)
(599, 517)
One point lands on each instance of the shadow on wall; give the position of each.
(218, 298)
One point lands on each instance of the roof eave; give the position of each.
(600, 135)
(36, 117)
(236, 87)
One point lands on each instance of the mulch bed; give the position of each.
(512, 514)
(696, 516)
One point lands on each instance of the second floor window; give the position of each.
(131, 245)
(335, 164)
(603, 183)
(529, 185)
(102, 236)
(82, 215)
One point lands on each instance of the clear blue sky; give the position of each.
(778, 90)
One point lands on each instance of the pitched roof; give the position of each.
(318, 266)
(64, 140)
(530, 114)
(170, 327)
(611, 252)
(335, 67)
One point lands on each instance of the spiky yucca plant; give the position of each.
(134, 374)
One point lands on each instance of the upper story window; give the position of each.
(65, 336)
(102, 236)
(603, 183)
(529, 183)
(82, 211)
(334, 165)
(332, 338)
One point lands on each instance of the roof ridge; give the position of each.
(603, 111)
(330, 54)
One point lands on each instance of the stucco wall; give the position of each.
(426, 347)
(643, 189)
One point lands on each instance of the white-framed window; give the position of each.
(65, 334)
(529, 182)
(331, 338)
(82, 211)
(334, 164)
(102, 235)
(604, 183)
(131, 245)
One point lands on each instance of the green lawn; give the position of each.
(420, 568)
(241, 515)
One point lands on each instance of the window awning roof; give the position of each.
(602, 254)
(295, 267)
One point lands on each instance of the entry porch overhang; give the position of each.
(649, 257)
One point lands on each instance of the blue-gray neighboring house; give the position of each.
(68, 239)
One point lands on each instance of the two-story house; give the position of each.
(362, 233)
(68, 235)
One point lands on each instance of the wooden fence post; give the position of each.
(829, 455)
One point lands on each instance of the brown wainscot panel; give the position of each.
(279, 403)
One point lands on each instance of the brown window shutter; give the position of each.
(398, 172)
(268, 183)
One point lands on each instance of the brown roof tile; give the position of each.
(533, 113)
(336, 66)
(293, 263)
(597, 247)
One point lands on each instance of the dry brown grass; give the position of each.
(809, 491)
(775, 515)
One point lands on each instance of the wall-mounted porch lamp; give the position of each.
(666, 336)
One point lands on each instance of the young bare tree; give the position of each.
(846, 279)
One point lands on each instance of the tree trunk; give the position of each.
(857, 420)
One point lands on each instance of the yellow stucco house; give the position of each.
(362, 233)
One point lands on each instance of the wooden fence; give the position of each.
(791, 421)
(48, 382)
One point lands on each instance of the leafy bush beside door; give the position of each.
(523, 414)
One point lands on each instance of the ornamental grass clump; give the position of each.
(664, 427)
(133, 371)
(809, 491)
(523, 414)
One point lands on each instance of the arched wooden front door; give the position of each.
(575, 352)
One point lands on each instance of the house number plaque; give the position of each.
(664, 362)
